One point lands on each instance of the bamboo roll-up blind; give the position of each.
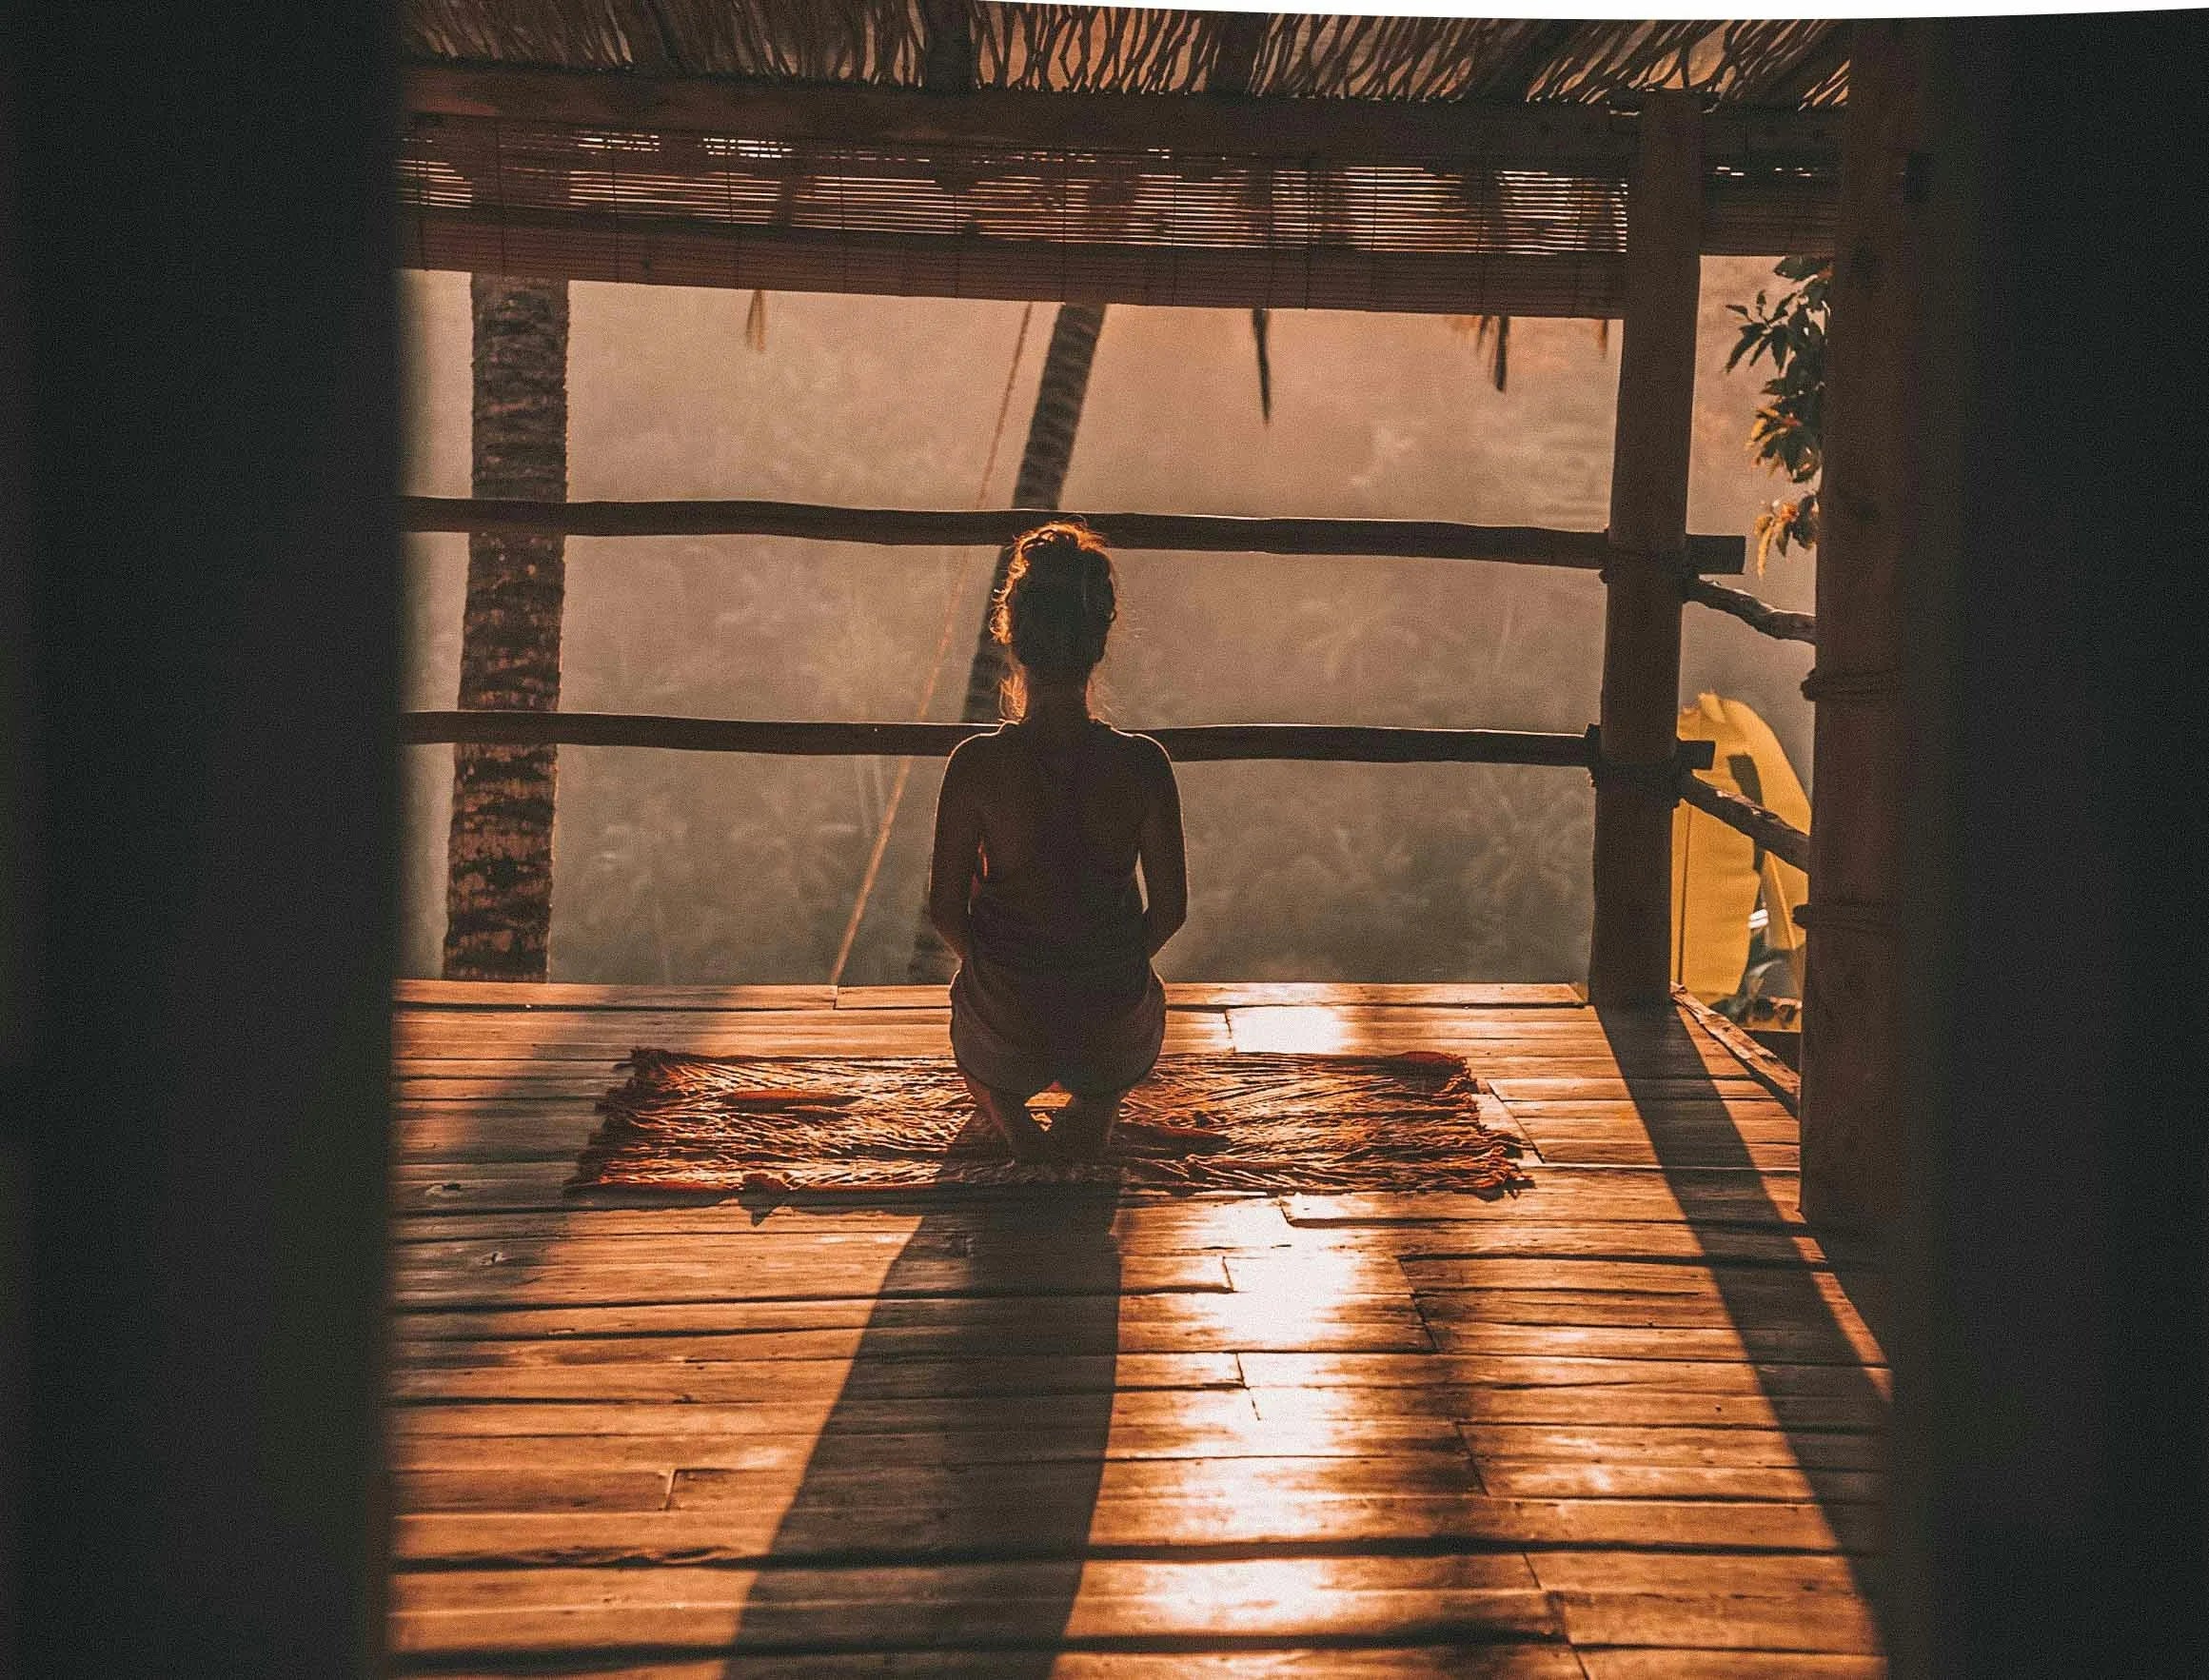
(1481, 231)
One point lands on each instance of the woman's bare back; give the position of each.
(1018, 801)
(1103, 781)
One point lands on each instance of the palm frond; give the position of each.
(1495, 331)
(1492, 333)
(1261, 325)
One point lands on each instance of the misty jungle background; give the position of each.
(710, 868)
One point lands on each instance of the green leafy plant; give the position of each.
(1788, 433)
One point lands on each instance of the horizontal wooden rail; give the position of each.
(1203, 743)
(1757, 615)
(1768, 828)
(643, 248)
(1403, 539)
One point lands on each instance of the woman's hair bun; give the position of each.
(1058, 603)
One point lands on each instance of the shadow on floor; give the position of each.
(948, 1500)
(1783, 1317)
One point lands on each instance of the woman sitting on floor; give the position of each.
(1039, 832)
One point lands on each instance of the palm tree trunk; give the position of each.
(1041, 482)
(499, 887)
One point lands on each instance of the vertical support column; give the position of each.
(1852, 1022)
(2051, 1415)
(1630, 960)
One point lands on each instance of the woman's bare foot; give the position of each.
(1013, 1124)
(1083, 1128)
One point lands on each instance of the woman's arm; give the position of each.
(958, 843)
(1165, 861)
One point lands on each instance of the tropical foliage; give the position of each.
(1789, 432)
(724, 867)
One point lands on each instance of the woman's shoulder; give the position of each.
(1140, 752)
(978, 755)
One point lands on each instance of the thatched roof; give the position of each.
(965, 148)
(1783, 63)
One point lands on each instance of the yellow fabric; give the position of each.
(1715, 877)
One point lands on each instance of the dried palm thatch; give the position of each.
(1249, 1122)
(1776, 62)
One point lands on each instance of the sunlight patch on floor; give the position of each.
(1296, 1029)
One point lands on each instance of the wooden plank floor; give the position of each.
(1623, 1424)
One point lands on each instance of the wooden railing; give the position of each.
(1768, 828)
(1195, 533)
(1202, 743)
(1351, 744)
(1758, 615)
(1190, 533)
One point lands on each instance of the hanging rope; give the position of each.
(851, 928)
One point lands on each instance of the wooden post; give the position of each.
(2051, 1349)
(1631, 955)
(1852, 1022)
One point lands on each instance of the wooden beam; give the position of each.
(1303, 129)
(1196, 533)
(851, 114)
(1774, 621)
(1630, 957)
(647, 250)
(1201, 743)
(1774, 164)
(1769, 176)
(1768, 828)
